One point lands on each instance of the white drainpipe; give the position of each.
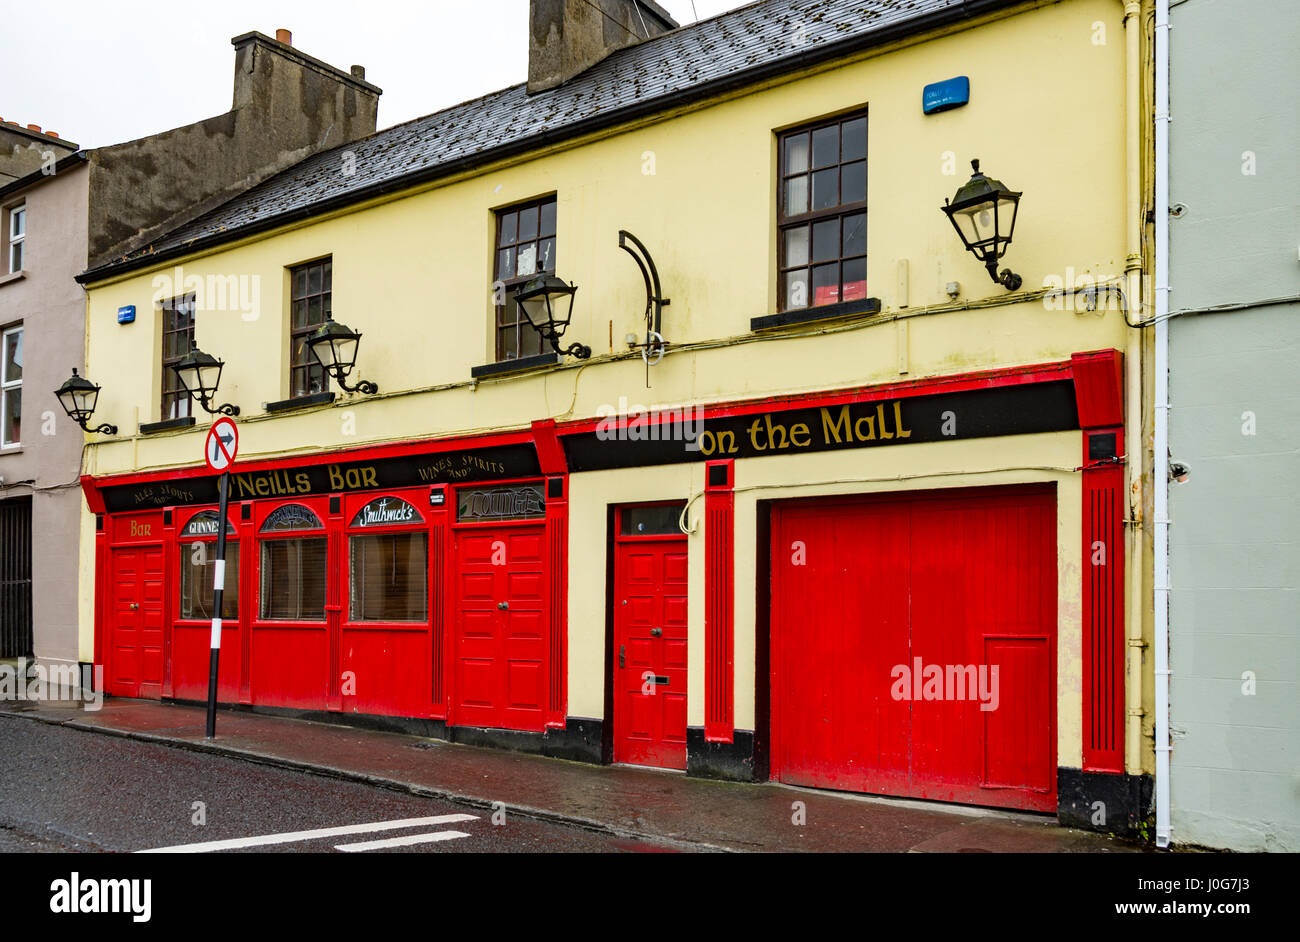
(1160, 472)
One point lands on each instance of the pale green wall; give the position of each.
(1235, 533)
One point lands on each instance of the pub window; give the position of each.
(389, 571)
(525, 247)
(652, 520)
(293, 569)
(198, 563)
(11, 387)
(822, 213)
(17, 237)
(311, 290)
(177, 341)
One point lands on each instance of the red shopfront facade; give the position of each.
(441, 603)
(349, 590)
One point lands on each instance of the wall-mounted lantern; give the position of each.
(78, 397)
(335, 346)
(984, 214)
(200, 374)
(547, 302)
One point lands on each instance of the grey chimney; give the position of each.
(567, 37)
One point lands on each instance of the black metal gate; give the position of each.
(16, 577)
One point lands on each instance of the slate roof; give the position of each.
(692, 62)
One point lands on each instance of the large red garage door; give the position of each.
(913, 645)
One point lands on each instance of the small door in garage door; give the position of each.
(501, 628)
(913, 645)
(135, 663)
(650, 637)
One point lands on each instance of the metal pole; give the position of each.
(218, 590)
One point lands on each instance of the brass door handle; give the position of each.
(656, 632)
(622, 655)
(504, 606)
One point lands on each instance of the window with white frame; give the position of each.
(17, 237)
(11, 387)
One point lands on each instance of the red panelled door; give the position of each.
(913, 646)
(135, 663)
(501, 629)
(650, 653)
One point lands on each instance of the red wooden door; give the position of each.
(501, 629)
(913, 646)
(136, 650)
(650, 653)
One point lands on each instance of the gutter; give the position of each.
(818, 54)
(23, 183)
(1160, 471)
(1133, 365)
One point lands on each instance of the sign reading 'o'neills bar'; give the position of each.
(482, 464)
(645, 439)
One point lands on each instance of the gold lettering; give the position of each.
(244, 485)
(871, 428)
(778, 430)
(797, 430)
(304, 482)
(368, 477)
(707, 442)
(727, 442)
(898, 421)
(837, 430)
(753, 436)
(336, 478)
(880, 414)
(261, 487)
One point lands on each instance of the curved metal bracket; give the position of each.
(655, 302)
(654, 344)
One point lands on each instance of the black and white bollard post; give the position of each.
(218, 590)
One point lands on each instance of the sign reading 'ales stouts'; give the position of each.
(631, 441)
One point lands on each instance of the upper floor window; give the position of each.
(177, 341)
(11, 387)
(822, 216)
(311, 288)
(525, 247)
(17, 236)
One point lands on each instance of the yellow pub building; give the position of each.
(755, 398)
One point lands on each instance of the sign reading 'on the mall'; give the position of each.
(649, 438)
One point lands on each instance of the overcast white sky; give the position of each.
(107, 71)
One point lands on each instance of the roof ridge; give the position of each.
(690, 64)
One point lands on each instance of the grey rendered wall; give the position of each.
(52, 309)
(1235, 422)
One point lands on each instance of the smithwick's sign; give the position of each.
(385, 512)
(483, 464)
(980, 413)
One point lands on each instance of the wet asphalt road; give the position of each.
(68, 790)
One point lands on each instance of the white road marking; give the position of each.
(405, 841)
(290, 837)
